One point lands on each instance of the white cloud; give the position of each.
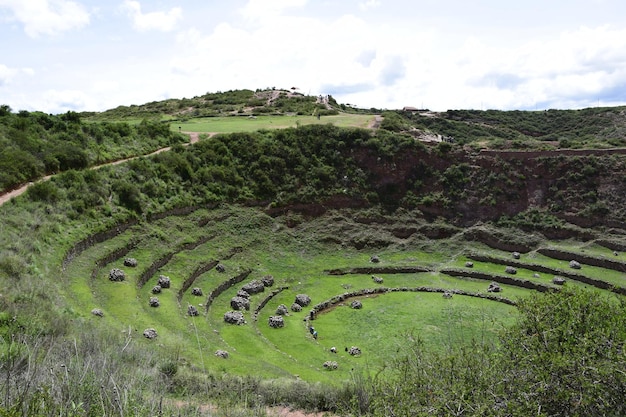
(7, 74)
(47, 17)
(369, 4)
(162, 21)
(259, 9)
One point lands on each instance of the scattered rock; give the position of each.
(240, 303)
(516, 255)
(196, 291)
(356, 304)
(267, 280)
(615, 253)
(156, 289)
(331, 365)
(254, 287)
(276, 322)
(131, 262)
(333, 349)
(234, 317)
(557, 280)
(303, 299)
(282, 310)
(536, 275)
(354, 351)
(150, 333)
(469, 264)
(164, 281)
(510, 270)
(447, 294)
(220, 268)
(574, 264)
(97, 312)
(375, 259)
(221, 354)
(295, 307)
(377, 280)
(494, 287)
(192, 311)
(154, 302)
(117, 275)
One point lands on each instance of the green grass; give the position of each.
(246, 124)
(297, 258)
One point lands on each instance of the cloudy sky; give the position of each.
(59, 55)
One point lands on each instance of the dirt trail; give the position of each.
(193, 138)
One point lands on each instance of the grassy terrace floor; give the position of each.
(248, 241)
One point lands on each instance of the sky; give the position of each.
(89, 55)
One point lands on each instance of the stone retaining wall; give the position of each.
(224, 286)
(112, 256)
(385, 290)
(194, 275)
(264, 302)
(500, 279)
(585, 259)
(378, 270)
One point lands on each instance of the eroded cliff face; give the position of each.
(585, 187)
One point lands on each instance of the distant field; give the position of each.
(246, 124)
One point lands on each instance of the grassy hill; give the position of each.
(398, 236)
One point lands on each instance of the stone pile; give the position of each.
(164, 281)
(354, 351)
(156, 289)
(131, 262)
(221, 354)
(303, 299)
(267, 280)
(192, 311)
(295, 307)
(240, 303)
(154, 302)
(331, 365)
(282, 310)
(150, 333)
(234, 317)
(254, 287)
(196, 291)
(510, 270)
(276, 322)
(117, 275)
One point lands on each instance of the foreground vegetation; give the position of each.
(324, 210)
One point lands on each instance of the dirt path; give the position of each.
(194, 137)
